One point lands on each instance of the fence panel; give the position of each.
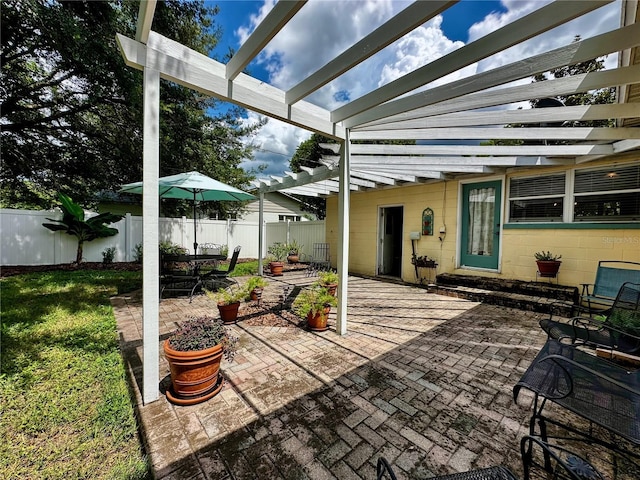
(25, 241)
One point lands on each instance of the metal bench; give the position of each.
(610, 276)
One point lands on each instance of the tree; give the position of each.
(73, 223)
(72, 109)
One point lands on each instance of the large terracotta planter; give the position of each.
(229, 313)
(548, 268)
(195, 376)
(276, 268)
(318, 322)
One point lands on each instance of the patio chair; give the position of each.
(215, 279)
(619, 331)
(320, 259)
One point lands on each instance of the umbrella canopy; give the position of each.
(193, 186)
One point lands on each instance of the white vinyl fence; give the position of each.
(24, 241)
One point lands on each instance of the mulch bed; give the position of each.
(9, 270)
(268, 314)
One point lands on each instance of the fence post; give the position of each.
(127, 237)
(288, 231)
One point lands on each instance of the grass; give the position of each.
(66, 410)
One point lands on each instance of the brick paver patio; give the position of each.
(421, 379)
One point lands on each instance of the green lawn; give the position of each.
(65, 410)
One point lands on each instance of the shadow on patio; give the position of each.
(422, 379)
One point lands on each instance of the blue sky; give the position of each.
(324, 28)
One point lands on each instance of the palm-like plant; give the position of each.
(73, 223)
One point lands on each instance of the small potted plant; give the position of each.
(194, 352)
(314, 304)
(228, 301)
(329, 280)
(548, 263)
(255, 286)
(294, 252)
(277, 253)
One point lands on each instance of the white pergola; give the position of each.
(404, 109)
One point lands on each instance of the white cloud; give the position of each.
(275, 143)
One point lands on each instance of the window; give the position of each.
(604, 194)
(610, 194)
(293, 218)
(537, 199)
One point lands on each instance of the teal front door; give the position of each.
(481, 207)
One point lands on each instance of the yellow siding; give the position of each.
(581, 249)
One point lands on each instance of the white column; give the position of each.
(150, 237)
(260, 232)
(343, 234)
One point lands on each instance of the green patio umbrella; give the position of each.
(193, 186)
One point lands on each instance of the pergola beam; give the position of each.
(411, 17)
(581, 51)
(146, 11)
(498, 133)
(277, 18)
(391, 153)
(535, 23)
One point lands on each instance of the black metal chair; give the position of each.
(215, 279)
(320, 259)
(620, 330)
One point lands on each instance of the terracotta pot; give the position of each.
(276, 268)
(332, 288)
(256, 294)
(318, 322)
(194, 375)
(548, 268)
(293, 258)
(229, 313)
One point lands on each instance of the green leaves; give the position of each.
(73, 223)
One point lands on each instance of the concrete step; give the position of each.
(531, 296)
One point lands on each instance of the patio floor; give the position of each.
(422, 379)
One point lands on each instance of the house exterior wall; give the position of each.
(580, 245)
(275, 204)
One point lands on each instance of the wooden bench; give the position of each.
(610, 276)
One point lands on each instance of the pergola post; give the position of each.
(150, 236)
(260, 232)
(343, 234)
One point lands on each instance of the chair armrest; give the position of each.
(615, 333)
(571, 464)
(585, 288)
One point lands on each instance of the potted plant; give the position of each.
(228, 300)
(277, 253)
(194, 352)
(255, 286)
(329, 280)
(548, 263)
(294, 252)
(314, 304)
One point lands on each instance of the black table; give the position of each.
(188, 279)
(596, 389)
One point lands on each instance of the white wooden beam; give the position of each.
(626, 145)
(373, 176)
(410, 18)
(145, 18)
(150, 237)
(187, 67)
(343, 237)
(485, 133)
(277, 18)
(499, 96)
(538, 21)
(532, 115)
(393, 153)
(529, 159)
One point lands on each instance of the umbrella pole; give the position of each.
(195, 227)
